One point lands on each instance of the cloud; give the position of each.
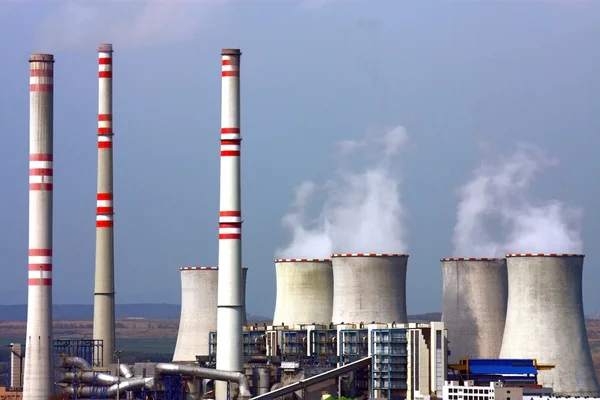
(362, 211)
(497, 213)
(79, 24)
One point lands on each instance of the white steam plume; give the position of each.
(362, 212)
(497, 215)
(79, 24)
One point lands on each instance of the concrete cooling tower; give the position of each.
(545, 320)
(304, 291)
(475, 292)
(198, 311)
(369, 288)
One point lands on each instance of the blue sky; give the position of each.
(454, 74)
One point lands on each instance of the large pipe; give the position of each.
(104, 293)
(304, 291)
(545, 321)
(38, 382)
(99, 392)
(78, 362)
(209, 373)
(474, 296)
(125, 371)
(89, 377)
(230, 304)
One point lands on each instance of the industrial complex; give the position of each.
(511, 327)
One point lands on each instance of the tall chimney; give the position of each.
(230, 303)
(38, 380)
(104, 293)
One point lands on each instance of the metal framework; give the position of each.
(89, 349)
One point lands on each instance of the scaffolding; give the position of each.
(88, 349)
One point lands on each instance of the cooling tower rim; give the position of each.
(281, 260)
(105, 47)
(369, 255)
(203, 268)
(544, 255)
(472, 259)
(199, 268)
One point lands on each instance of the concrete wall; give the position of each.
(475, 293)
(369, 287)
(304, 291)
(545, 321)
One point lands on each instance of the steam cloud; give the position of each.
(496, 213)
(362, 212)
(79, 24)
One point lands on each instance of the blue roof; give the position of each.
(502, 366)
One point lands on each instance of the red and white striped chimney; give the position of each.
(38, 378)
(104, 293)
(230, 302)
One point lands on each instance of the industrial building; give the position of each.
(340, 324)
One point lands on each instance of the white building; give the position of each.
(496, 391)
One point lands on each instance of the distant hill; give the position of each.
(80, 312)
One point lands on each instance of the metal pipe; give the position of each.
(230, 302)
(209, 373)
(104, 292)
(125, 371)
(38, 382)
(77, 362)
(110, 392)
(89, 377)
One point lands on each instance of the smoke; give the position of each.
(362, 212)
(79, 24)
(498, 215)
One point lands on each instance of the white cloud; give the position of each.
(79, 24)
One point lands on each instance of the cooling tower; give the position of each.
(104, 292)
(304, 291)
(544, 320)
(38, 374)
(369, 288)
(198, 311)
(230, 304)
(475, 291)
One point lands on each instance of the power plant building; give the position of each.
(545, 320)
(304, 291)
(369, 288)
(475, 292)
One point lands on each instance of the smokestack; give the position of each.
(104, 293)
(38, 378)
(304, 291)
(545, 321)
(369, 287)
(475, 292)
(230, 304)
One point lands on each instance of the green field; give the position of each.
(129, 345)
